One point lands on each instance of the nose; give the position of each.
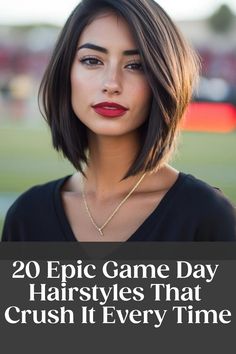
(112, 82)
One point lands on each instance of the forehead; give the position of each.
(106, 29)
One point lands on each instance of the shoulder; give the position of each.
(31, 211)
(203, 192)
(36, 196)
(211, 208)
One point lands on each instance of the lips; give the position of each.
(109, 109)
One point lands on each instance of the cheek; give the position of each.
(142, 95)
(82, 78)
(78, 83)
(80, 88)
(79, 77)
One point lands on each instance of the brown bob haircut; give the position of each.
(170, 66)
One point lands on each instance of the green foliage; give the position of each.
(221, 21)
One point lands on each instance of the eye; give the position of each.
(90, 61)
(135, 66)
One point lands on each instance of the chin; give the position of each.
(109, 132)
(105, 133)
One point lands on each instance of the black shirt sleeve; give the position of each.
(10, 227)
(32, 217)
(219, 222)
(211, 211)
(21, 217)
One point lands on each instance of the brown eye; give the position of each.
(90, 61)
(135, 66)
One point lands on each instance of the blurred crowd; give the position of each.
(24, 54)
(25, 51)
(218, 78)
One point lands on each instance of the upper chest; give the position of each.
(123, 223)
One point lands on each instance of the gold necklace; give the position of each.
(99, 229)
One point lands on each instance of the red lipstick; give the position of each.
(110, 109)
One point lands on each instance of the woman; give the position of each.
(115, 90)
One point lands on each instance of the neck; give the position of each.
(109, 160)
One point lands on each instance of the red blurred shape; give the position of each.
(210, 117)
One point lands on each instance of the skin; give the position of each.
(113, 143)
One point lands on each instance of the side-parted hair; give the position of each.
(169, 63)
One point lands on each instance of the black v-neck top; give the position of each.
(190, 211)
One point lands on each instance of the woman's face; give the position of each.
(106, 70)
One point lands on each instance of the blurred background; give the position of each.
(28, 31)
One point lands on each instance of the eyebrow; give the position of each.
(104, 50)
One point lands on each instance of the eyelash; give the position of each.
(84, 61)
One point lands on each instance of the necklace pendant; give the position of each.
(99, 229)
(101, 233)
